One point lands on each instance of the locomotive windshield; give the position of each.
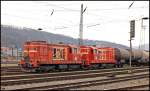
(84, 50)
(95, 51)
(26, 54)
(28, 50)
(58, 53)
(74, 50)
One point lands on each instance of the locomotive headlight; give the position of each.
(75, 58)
(95, 57)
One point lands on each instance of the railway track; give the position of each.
(136, 87)
(61, 74)
(65, 76)
(74, 86)
(10, 69)
(13, 73)
(17, 71)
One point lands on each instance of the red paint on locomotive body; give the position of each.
(38, 53)
(89, 55)
(35, 53)
(107, 55)
(93, 55)
(64, 54)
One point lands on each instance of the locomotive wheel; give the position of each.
(94, 66)
(38, 70)
(116, 66)
(121, 65)
(70, 68)
(83, 67)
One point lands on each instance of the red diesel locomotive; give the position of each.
(38, 55)
(41, 56)
(96, 57)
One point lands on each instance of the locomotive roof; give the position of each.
(89, 47)
(64, 45)
(45, 43)
(104, 47)
(36, 42)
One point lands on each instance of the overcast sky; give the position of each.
(103, 20)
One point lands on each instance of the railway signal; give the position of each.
(132, 28)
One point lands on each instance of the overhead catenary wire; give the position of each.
(65, 26)
(73, 9)
(48, 4)
(67, 9)
(95, 24)
(130, 5)
(76, 25)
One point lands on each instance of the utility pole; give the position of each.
(16, 52)
(132, 34)
(142, 34)
(81, 26)
(130, 49)
(6, 49)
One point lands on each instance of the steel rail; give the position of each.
(89, 83)
(62, 73)
(56, 78)
(132, 87)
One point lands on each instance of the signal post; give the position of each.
(132, 35)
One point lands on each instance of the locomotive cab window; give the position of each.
(99, 52)
(75, 50)
(35, 49)
(61, 54)
(70, 50)
(54, 53)
(84, 50)
(26, 51)
(95, 51)
(58, 53)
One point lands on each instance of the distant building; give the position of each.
(6, 51)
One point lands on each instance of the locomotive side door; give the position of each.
(85, 55)
(44, 54)
(49, 48)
